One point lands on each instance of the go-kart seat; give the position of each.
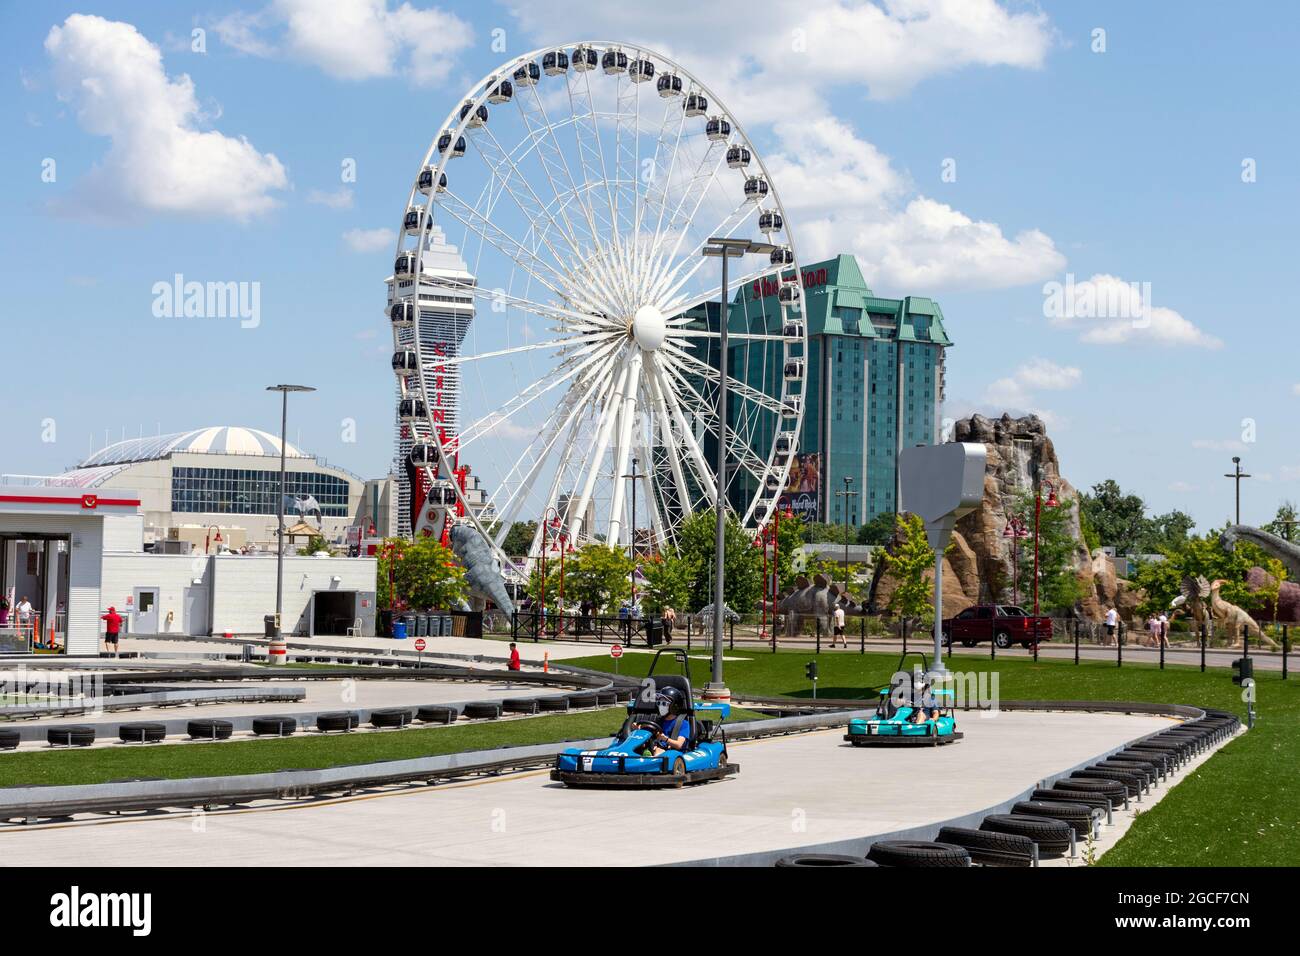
(674, 680)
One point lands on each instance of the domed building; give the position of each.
(222, 478)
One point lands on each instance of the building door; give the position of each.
(146, 611)
(196, 612)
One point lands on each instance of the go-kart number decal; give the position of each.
(588, 762)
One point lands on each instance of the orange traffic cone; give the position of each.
(546, 662)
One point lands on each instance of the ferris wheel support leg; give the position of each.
(624, 447)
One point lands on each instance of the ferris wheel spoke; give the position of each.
(542, 272)
(584, 340)
(554, 164)
(487, 423)
(585, 136)
(670, 441)
(683, 304)
(623, 448)
(599, 446)
(707, 413)
(569, 320)
(672, 279)
(734, 385)
(515, 499)
(688, 205)
(689, 333)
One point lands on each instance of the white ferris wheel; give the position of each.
(579, 185)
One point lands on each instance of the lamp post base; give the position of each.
(714, 691)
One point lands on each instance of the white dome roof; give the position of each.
(214, 440)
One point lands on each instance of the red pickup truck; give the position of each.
(1004, 624)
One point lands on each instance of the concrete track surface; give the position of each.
(791, 792)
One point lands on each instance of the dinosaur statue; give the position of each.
(1285, 551)
(1287, 610)
(1202, 599)
(808, 599)
(481, 571)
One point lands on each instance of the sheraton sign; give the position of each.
(769, 285)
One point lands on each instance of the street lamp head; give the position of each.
(290, 388)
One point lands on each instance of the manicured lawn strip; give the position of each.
(1240, 808)
(171, 761)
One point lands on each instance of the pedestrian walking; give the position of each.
(837, 630)
(1112, 621)
(1164, 630)
(670, 618)
(112, 628)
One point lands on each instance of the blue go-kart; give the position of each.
(625, 762)
(893, 725)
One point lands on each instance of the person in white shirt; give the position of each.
(1164, 630)
(837, 631)
(1112, 621)
(25, 611)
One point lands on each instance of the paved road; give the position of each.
(792, 791)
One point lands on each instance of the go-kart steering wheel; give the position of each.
(646, 723)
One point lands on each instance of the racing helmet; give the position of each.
(670, 700)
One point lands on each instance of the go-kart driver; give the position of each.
(675, 732)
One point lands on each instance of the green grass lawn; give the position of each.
(1240, 808)
(171, 761)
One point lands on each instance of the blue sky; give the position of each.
(1115, 166)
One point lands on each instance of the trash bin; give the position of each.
(408, 625)
(435, 626)
(654, 631)
(268, 622)
(446, 625)
(399, 629)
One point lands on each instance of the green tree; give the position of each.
(878, 530)
(316, 544)
(1118, 519)
(599, 574)
(1284, 522)
(389, 558)
(743, 568)
(667, 582)
(518, 541)
(427, 575)
(1200, 556)
(913, 597)
(789, 540)
(816, 532)
(1165, 532)
(1058, 583)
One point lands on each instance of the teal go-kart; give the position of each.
(628, 760)
(894, 726)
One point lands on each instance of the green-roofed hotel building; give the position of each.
(874, 384)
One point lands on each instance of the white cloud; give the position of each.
(1295, 389)
(1181, 486)
(1107, 310)
(340, 198)
(1017, 391)
(843, 194)
(502, 427)
(158, 161)
(370, 240)
(353, 39)
(797, 52)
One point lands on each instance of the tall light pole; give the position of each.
(1236, 475)
(631, 541)
(724, 249)
(1015, 530)
(847, 495)
(284, 391)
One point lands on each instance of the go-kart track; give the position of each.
(808, 790)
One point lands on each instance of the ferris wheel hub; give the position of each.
(649, 328)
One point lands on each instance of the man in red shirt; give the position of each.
(514, 664)
(112, 625)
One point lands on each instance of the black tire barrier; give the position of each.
(9, 739)
(822, 859)
(584, 700)
(209, 728)
(1162, 759)
(1052, 836)
(1151, 767)
(436, 714)
(340, 720)
(1145, 774)
(606, 698)
(141, 732)
(1097, 801)
(990, 848)
(917, 854)
(1113, 789)
(274, 726)
(1077, 815)
(482, 710)
(390, 717)
(74, 735)
(519, 705)
(553, 703)
(1132, 783)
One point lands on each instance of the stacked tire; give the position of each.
(436, 714)
(274, 726)
(1077, 815)
(822, 859)
(75, 735)
(989, 847)
(141, 732)
(209, 728)
(918, 854)
(340, 721)
(390, 718)
(482, 710)
(9, 739)
(1051, 836)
